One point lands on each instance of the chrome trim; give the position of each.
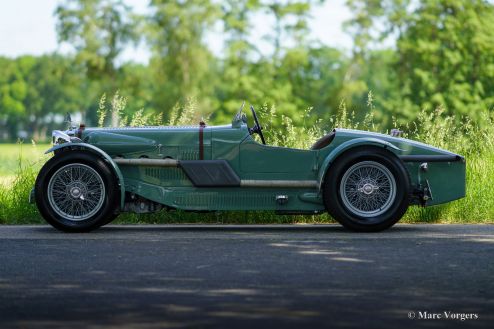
(279, 183)
(147, 162)
(243, 183)
(58, 134)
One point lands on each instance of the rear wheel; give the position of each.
(367, 189)
(75, 191)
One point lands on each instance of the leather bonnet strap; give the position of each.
(201, 140)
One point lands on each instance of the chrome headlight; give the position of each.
(59, 137)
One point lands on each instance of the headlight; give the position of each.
(60, 137)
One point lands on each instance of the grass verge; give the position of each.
(476, 207)
(473, 140)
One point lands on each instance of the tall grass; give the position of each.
(16, 186)
(474, 140)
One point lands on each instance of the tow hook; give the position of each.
(426, 194)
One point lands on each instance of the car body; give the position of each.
(365, 180)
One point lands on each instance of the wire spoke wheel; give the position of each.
(368, 189)
(76, 192)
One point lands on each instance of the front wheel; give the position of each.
(367, 189)
(75, 191)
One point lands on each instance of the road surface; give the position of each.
(247, 277)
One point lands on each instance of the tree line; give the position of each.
(441, 54)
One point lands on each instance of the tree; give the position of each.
(182, 64)
(33, 90)
(99, 30)
(13, 91)
(443, 52)
(445, 56)
(261, 77)
(55, 87)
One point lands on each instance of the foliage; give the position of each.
(182, 65)
(443, 54)
(436, 54)
(446, 57)
(18, 169)
(14, 155)
(298, 73)
(428, 63)
(34, 89)
(13, 199)
(99, 30)
(473, 140)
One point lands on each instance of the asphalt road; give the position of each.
(246, 277)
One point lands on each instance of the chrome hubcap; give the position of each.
(368, 189)
(76, 192)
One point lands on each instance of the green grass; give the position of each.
(13, 155)
(476, 207)
(19, 165)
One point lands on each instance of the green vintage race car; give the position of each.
(366, 181)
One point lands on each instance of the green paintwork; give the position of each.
(347, 145)
(251, 161)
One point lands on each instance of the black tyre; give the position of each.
(111, 218)
(367, 189)
(76, 191)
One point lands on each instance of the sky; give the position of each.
(28, 27)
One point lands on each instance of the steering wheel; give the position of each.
(257, 128)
